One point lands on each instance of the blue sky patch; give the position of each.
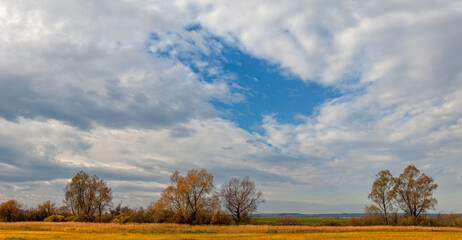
(267, 89)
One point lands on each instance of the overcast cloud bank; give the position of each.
(126, 90)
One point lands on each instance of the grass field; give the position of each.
(39, 230)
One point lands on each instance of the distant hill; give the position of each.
(326, 215)
(302, 215)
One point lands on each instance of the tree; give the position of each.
(414, 192)
(240, 198)
(10, 211)
(87, 195)
(382, 195)
(191, 198)
(45, 210)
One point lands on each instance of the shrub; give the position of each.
(220, 218)
(446, 220)
(71, 218)
(329, 222)
(84, 218)
(139, 215)
(245, 218)
(407, 221)
(159, 212)
(55, 218)
(121, 218)
(105, 218)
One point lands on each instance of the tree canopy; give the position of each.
(87, 195)
(383, 194)
(415, 191)
(240, 198)
(190, 198)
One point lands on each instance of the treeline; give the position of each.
(438, 220)
(193, 199)
(190, 199)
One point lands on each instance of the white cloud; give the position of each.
(133, 160)
(329, 41)
(396, 63)
(101, 86)
(89, 62)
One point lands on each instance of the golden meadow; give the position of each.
(73, 230)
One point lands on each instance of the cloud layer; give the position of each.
(90, 63)
(126, 90)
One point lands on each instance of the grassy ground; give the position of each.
(174, 231)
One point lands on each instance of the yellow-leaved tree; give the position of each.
(382, 195)
(190, 199)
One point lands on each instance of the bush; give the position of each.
(445, 220)
(121, 218)
(55, 218)
(159, 212)
(139, 215)
(329, 222)
(220, 218)
(105, 218)
(84, 218)
(245, 218)
(407, 221)
(71, 218)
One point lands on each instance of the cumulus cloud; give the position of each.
(331, 42)
(396, 64)
(91, 62)
(123, 89)
(136, 162)
(84, 84)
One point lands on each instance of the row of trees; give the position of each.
(191, 199)
(411, 191)
(12, 210)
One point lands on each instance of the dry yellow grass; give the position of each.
(39, 230)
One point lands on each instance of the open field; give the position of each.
(39, 230)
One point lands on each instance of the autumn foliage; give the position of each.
(87, 196)
(10, 211)
(189, 199)
(415, 192)
(193, 199)
(411, 191)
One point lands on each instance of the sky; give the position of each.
(310, 99)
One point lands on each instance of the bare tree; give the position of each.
(240, 198)
(190, 198)
(415, 192)
(87, 195)
(382, 195)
